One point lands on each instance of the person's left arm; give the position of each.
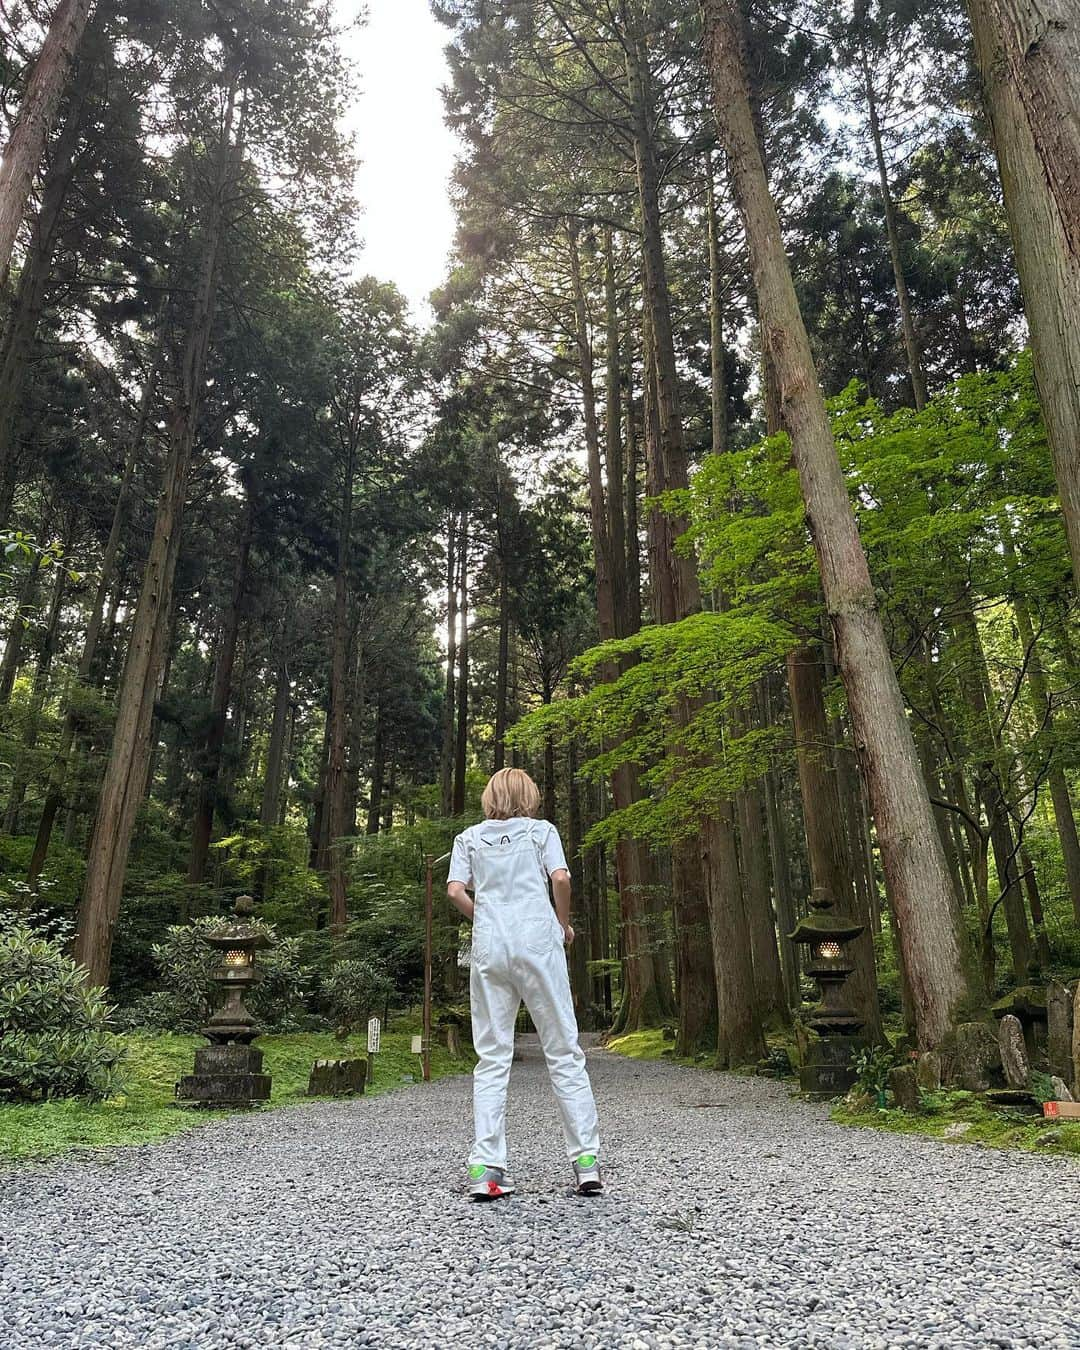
(559, 872)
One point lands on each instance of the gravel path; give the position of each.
(735, 1216)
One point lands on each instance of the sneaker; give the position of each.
(587, 1175)
(488, 1183)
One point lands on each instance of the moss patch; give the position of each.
(146, 1112)
(945, 1113)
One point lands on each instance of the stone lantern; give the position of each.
(228, 1071)
(827, 1070)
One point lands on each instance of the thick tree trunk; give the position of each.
(625, 622)
(915, 868)
(125, 774)
(717, 370)
(213, 746)
(37, 113)
(20, 331)
(739, 1040)
(378, 772)
(630, 510)
(1028, 55)
(503, 664)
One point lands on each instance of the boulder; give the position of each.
(1061, 1091)
(1076, 1038)
(337, 1078)
(976, 1061)
(1059, 1017)
(1014, 1055)
(904, 1085)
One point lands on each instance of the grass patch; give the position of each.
(643, 1045)
(145, 1111)
(944, 1111)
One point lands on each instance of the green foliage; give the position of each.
(872, 1064)
(355, 990)
(54, 1036)
(185, 964)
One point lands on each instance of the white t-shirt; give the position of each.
(545, 834)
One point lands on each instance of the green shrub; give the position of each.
(186, 962)
(354, 991)
(54, 1038)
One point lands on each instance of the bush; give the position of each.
(54, 1040)
(354, 990)
(186, 963)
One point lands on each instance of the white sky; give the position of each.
(406, 151)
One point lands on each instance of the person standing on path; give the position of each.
(518, 954)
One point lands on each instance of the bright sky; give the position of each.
(406, 151)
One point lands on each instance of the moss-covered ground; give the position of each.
(146, 1110)
(954, 1117)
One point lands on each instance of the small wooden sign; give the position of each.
(374, 1035)
(418, 1045)
(1061, 1110)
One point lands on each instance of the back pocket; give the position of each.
(540, 935)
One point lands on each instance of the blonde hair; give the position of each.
(510, 792)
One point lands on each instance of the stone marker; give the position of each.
(1014, 1055)
(928, 1071)
(977, 1058)
(905, 1087)
(337, 1078)
(1059, 1017)
(1061, 1091)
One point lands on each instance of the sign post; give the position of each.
(374, 1038)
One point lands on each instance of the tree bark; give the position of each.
(125, 773)
(903, 295)
(24, 602)
(915, 868)
(1028, 56)
(207, 795)
(446, 762)
(274, 773)
(336, 805)
(462, 745)
(37, 113)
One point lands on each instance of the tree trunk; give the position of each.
(29, 737)
(446, 761)
(903, 295)
(24, 602)
(274, 773)
(630, 511)
(37, 113)
(20, 331)
(337, 785)
(915, 869)
(214, 743)
(125, 774)
(502, 669)
(1028, 56)
(378, 773)
(739, 1040)
(462, 745)
(717, 371)
(625, 622)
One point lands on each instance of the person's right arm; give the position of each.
(460, 898)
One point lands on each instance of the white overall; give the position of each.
(518, 955)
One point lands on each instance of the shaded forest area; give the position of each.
(733, 491)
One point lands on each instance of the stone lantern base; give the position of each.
(827, 1070)
(225, 1075)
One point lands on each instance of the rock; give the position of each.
(904, 1085)
(1013, 1097)
(1061, 1090)
(1014, 1055)
(337, 1077)
(977, 1058)
(957, 1128)
(1076, 1037)
(928, 1071)
(1059, 1017)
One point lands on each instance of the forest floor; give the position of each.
(735, 1215)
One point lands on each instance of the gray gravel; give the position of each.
(735, 1216)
